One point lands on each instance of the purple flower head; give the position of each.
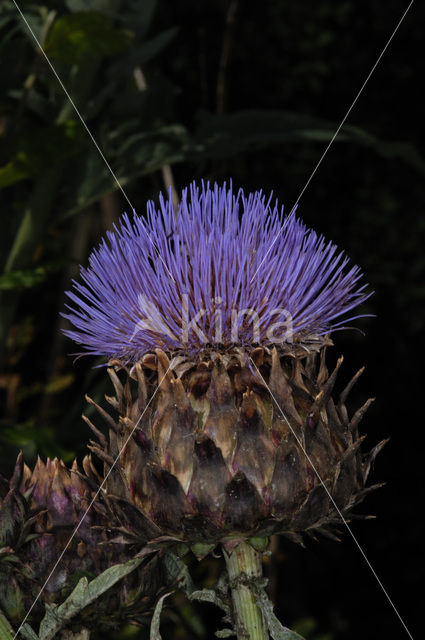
(226, 270)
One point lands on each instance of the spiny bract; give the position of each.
(39, 511)
(220, 453)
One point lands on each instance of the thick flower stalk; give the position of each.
(225, 428)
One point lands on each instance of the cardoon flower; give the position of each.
(39, 510)
(213, 274)
(216, 324)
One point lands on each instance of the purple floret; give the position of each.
(185, 281)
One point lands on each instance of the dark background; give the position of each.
(252, 92)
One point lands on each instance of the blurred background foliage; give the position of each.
(173, 91)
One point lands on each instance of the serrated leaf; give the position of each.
(178, 573)
(84, 594)
(209, 595)
(156, 618)
(275, 627)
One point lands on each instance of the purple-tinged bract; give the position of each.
(226, 269)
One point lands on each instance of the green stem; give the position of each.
(244, 567)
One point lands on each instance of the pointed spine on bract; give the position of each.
(39, 513)
(229, 447)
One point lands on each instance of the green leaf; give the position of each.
(28, 633)
(17, 169)
(22, 278)
(36, 149)
(35, 17)
(224, 633)
(78, 37)
(275, 627)
(201, 549)
(25, 278)
(305, 626)
(84, 594)
(230, 134)
(139, 15)
(7, 15)
(178, 573)
(99, 6)
(141, 54)
(34, 217)
(147, 152)
(209, 595)
(6, 631)
(259, 544)
(154, 631)
(134, 152)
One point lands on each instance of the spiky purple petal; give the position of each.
(128, 303)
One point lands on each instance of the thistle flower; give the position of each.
(220, 272)
(216, 321)
(39, 510)
(232, 443)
